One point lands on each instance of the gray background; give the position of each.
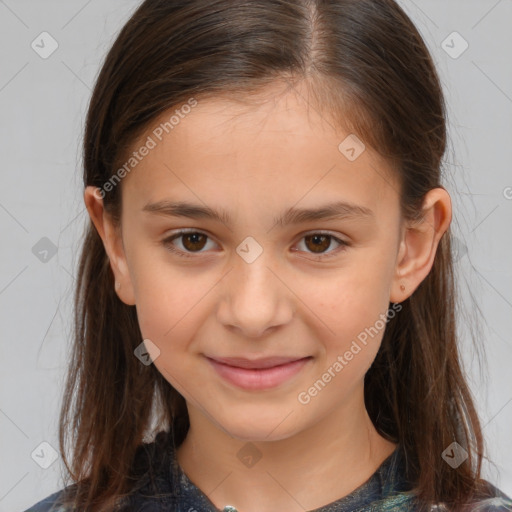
(43, 104)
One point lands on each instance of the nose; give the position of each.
(255, 298)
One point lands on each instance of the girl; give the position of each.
(265, 307)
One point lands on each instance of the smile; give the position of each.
(258, 378)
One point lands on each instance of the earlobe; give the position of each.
(112, 242)
(419, 244)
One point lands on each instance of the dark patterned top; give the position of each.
(164, 487)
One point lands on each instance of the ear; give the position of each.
(110, 233)
(419, 243)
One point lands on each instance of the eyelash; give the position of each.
(167, 243)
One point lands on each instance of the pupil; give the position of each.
(318, 239)
(195, 240)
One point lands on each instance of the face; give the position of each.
(269, 279)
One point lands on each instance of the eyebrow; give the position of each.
(336, 210)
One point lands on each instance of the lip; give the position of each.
(257, 374)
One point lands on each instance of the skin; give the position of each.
(255, 162)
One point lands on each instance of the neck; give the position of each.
(312, 468)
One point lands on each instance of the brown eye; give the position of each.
(194, 241)
(318, 243)
(191, 242)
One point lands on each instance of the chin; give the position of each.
(258, 428)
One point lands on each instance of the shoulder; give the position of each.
(51, 503)
(151, 476)
(492, 500)
(495, 500)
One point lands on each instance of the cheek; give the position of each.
(353, 307)
(351, 296)
(168, 301)
(169, 314)
(357, 319)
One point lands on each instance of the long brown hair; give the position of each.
(371, 74)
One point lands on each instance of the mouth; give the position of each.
(257, 364)
(258, 374)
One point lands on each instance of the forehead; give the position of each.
(271, 148)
